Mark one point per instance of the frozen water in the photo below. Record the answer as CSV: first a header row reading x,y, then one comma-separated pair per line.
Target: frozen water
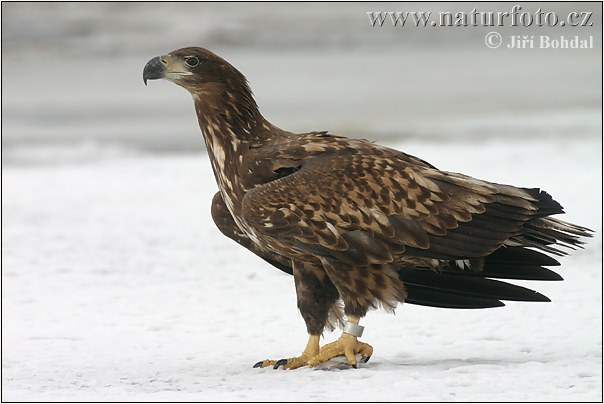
x,y
116,285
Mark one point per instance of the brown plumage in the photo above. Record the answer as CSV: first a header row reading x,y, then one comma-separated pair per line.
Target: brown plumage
x,y
356,222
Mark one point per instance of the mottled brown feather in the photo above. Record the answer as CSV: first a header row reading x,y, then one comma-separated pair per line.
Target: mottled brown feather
x,y
348,218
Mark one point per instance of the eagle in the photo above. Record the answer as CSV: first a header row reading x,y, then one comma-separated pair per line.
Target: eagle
x,y
359,225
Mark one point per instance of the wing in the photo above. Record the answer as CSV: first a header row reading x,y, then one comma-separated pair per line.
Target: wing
x,y
363,204
225,223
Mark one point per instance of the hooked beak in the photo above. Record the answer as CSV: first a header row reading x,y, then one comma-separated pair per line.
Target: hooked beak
x,y
154,69
165,67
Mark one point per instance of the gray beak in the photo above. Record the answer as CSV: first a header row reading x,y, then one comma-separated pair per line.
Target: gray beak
x,y
154,69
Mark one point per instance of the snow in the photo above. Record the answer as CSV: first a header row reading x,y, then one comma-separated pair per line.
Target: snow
x,y
116,286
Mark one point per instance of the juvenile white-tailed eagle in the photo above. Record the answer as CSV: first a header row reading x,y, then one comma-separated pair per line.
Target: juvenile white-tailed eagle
x,y
360,224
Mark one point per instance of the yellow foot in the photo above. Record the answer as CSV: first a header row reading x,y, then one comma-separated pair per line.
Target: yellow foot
x,y
265,363
290,363
347,345
311,350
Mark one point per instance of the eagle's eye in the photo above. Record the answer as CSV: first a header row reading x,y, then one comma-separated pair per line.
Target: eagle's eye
x,y
192,61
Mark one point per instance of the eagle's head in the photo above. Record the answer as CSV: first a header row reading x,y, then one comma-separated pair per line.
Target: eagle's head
x,y
193,68
221,94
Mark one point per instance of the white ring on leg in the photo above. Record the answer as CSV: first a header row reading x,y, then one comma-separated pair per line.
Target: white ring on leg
x,y
353,329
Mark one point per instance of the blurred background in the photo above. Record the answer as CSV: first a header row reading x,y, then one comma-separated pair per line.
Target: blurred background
x,y
72,86
117,286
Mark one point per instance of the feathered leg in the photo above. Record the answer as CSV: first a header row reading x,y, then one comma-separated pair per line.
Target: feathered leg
x,y
360,289
317,296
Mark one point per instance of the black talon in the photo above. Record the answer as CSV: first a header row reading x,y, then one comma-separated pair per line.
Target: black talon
x,y
354,365
367,359
279,363
257,365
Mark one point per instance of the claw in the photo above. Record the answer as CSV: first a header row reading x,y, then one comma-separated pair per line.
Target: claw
x,y
280,362
264,363
312,349
348,346
365,360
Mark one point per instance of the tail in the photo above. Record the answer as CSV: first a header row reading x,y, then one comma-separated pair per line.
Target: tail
x,y
546,233
473,284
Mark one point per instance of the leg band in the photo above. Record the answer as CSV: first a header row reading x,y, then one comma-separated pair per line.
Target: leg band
x,y
353,329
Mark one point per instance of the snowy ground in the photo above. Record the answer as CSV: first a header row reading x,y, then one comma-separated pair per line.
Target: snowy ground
x,y
117,286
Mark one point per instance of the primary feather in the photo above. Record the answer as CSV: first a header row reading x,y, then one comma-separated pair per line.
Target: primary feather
x,y
360,222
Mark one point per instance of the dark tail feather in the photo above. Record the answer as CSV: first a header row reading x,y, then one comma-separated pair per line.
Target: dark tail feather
x,y
546,205
546,233
549,234
471,288
517,263
427,296
468,285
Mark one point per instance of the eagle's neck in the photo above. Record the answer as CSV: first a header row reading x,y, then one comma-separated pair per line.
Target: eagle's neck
x,y
233,110
230,121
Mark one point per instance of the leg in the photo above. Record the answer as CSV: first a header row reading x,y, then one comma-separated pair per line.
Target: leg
x,y
347,345
360,288
316,297
311,350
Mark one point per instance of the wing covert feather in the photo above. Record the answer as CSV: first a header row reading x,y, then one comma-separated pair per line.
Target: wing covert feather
x,y
369,209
